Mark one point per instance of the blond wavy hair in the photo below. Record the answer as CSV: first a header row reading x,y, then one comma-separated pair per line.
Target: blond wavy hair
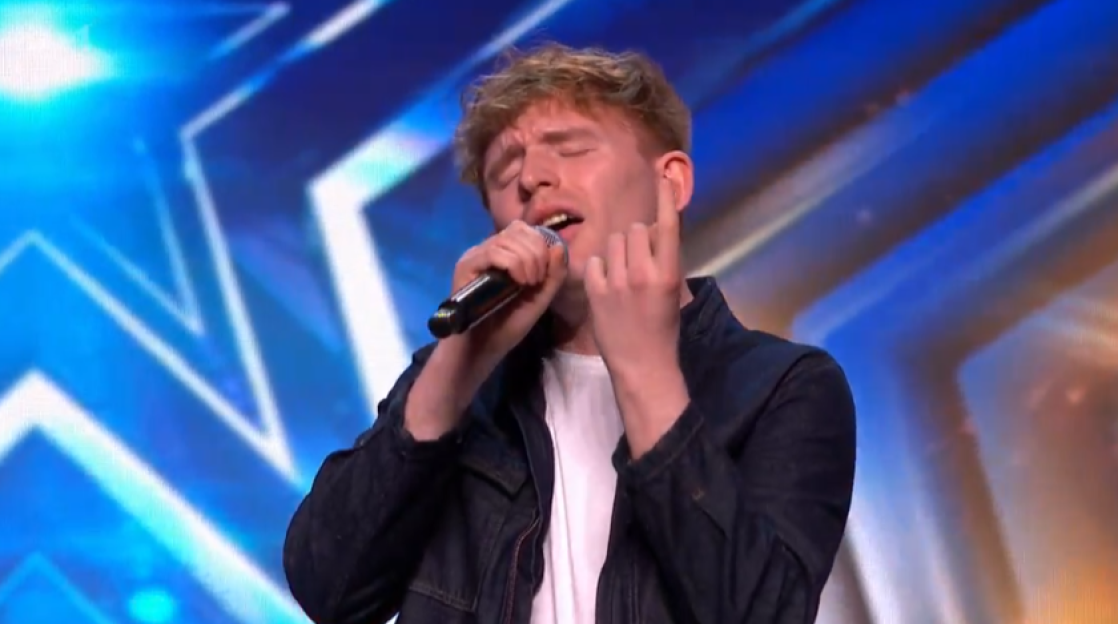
x,y
628,82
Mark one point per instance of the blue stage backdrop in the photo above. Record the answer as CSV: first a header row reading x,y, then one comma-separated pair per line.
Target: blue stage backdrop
x,y
222,225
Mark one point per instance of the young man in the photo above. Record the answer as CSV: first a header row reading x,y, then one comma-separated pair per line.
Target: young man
x,y
612,447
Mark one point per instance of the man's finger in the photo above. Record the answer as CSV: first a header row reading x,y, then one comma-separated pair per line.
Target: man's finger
x,y
616,272
639,259
667,228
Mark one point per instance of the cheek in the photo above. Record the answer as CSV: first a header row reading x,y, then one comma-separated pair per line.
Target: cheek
x,y
626,196
588,243
502,215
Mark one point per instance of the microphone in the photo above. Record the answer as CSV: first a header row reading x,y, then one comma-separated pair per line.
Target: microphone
x,y
487,293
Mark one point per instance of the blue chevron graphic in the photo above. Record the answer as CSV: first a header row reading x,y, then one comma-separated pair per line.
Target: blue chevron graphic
x,y
84,235
97,273
86,230
37,590
391,353
36,405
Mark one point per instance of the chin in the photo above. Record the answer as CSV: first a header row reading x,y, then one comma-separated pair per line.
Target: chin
x,y
573,288
570,304
572,285
576,269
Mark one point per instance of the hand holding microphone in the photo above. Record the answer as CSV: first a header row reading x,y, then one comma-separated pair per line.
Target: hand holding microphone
x,y
501,288
513,276
497,286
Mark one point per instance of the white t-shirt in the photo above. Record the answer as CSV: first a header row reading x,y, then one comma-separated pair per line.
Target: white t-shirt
x,y
585,426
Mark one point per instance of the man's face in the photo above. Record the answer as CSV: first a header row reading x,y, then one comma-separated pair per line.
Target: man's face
x,y
555,160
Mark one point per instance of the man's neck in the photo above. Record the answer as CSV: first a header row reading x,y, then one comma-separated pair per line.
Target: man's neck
x,y
572,329
578,339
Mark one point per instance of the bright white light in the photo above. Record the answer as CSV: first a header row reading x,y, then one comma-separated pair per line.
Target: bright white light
x,y
37,61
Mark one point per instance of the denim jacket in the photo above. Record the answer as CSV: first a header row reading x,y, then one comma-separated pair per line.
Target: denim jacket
x,y
735,515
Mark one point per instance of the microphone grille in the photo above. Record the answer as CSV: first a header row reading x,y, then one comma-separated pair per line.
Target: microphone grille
x,y
552,237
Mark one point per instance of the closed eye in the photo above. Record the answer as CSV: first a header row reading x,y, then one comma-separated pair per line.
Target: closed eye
x,y
504,178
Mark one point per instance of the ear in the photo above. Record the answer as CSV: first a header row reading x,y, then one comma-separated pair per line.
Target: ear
x,y
678,168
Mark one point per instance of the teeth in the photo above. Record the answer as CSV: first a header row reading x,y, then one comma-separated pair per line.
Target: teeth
x,y
555,220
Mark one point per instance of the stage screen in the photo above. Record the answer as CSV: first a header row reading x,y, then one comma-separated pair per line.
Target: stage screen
x,y
223,226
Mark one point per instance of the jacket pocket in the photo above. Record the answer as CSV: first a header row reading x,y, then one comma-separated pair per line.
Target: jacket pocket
x,y
421,608
464,545
485,456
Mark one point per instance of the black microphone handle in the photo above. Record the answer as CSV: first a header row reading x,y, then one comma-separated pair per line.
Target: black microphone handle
x,y
476,301
484,295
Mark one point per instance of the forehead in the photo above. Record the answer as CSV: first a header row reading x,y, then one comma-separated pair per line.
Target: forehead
x,y
552,119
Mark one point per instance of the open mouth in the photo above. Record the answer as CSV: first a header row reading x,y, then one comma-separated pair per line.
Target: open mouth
x,y
557,222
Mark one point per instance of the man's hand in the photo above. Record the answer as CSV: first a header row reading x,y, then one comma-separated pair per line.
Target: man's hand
x,y
460,364
634,296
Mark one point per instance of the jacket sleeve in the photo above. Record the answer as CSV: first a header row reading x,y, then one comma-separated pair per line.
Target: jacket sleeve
x,y
357,537
751,537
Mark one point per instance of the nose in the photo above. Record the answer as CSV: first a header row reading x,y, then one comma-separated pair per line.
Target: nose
x,y
536,173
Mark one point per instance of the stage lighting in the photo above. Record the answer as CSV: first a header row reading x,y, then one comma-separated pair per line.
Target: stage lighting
x,y
38,61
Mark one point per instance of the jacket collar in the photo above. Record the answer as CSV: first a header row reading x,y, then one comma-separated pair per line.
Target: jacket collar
x,y
703,316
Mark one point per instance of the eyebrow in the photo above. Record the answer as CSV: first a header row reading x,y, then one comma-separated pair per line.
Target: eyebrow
x,y
551,137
